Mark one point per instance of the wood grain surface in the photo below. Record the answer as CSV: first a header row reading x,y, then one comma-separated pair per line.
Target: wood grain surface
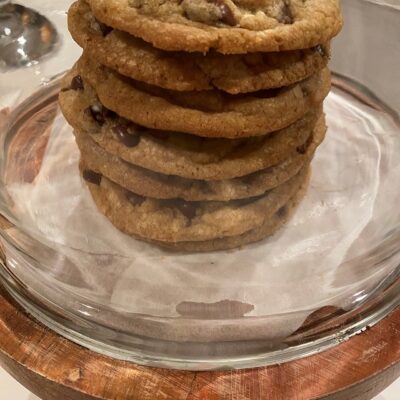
x,y
56,369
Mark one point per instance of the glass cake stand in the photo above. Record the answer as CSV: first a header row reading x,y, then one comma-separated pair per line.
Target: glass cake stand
x,y
329,274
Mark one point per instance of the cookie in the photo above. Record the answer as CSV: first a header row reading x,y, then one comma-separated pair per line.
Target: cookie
x,y
274,223
172,153
239,26
209,113
151,184
176,220
133,57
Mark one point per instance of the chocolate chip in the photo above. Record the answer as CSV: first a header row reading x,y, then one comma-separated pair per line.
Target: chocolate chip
x,y
320,50
227,15
134,198
282,212
302,149
99,113
77,83
91,176
126,134
188,209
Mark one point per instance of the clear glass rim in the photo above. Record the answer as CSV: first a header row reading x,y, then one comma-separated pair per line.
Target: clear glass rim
x,y
353,323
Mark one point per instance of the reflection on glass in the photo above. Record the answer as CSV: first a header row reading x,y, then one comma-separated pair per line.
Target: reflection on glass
x,y
25,35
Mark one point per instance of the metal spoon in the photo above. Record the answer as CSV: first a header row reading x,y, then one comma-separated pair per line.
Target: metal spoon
x,y
25,36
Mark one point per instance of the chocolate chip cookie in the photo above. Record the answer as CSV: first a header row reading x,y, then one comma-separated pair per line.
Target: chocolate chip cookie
x,y
239,26
270,227
152,184
211,113
172,153
177,220
133,57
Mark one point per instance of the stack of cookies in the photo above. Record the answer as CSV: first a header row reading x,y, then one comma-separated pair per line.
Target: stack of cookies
x,y
197,120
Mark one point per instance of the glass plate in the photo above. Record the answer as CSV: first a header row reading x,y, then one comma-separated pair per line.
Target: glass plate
x,y
331,272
